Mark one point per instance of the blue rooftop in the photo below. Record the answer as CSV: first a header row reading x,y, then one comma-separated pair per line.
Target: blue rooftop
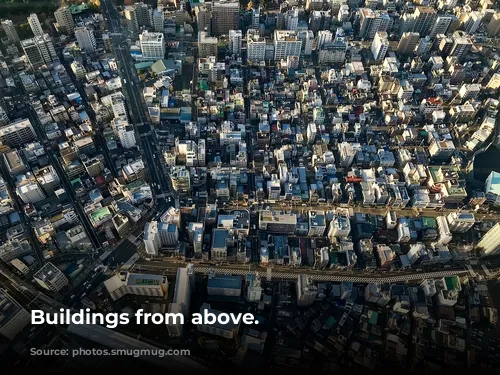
x,y
225,282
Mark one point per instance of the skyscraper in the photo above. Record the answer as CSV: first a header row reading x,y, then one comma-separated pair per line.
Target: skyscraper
x,y
85,38
39,50
10,31
408,43
441,25
286,43
235,37
64,20
225,17
35,25
461,45
380,45
425,18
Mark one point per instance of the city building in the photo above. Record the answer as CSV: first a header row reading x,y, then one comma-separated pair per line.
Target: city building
x,y
224,285
159,20
492,188
306,291
256,46
207,45
10,30
13,317
277,222
380,45
490,242
317,223
460,222
39,51
51,278
228,330
408,43
35,25
462,44
85,38
184,285
286,43
235,41
152,45
138,284
225,17
64,19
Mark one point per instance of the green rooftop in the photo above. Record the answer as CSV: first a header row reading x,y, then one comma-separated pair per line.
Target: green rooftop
x,y
452,283
429,222
99,214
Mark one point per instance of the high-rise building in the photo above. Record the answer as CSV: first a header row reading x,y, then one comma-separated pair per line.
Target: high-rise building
x,y
152,45
441,25
159,19
144,14
460,222
493,27
292,19
462,44
85,38
14,318
306,290
256,46
10,30
324,37
51,278
4,118
425,17
151,238
117,103
286,43
372,21
39,50
126,134
17,133
307,38
182,300
490,243
408,43
225,17
35,25
380,45
131,18
207,45
255,18
204,17
64,20
472,22
169,234
235,37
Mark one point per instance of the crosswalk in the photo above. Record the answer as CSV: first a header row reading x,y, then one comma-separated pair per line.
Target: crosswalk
x,y
339,278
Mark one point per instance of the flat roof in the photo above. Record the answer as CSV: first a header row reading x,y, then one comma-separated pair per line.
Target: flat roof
x,y
225,281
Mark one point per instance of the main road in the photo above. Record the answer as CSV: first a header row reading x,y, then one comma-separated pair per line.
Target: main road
x,y
135,105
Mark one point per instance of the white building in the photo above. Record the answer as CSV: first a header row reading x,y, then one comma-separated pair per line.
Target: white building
x,y
64,20
126,134
340,226
207,45
136,283
39,50
85,38
492,188
317,223
182,299
292,19
490,243
17,133
445,236
13,317
10,30
254,290
51,278
306,291
286,43
380,45
151,238
35,25
460,222
152,45
256,46
428,287
235,41
30,192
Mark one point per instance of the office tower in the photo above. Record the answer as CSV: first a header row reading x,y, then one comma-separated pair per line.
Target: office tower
x,y
235,37
307,38
372,21
35,25
493,27
408,43
17,133
306,291
13,317
51,278
286,43
425,18
292,19
324,37
315,21
424,46
256,46
130,15
225,17
126,135
461,45
169,234
490,243
144,14
207,46
151,238
204,17
255,18
380,45
472,22
441,25
152,45
85,38
10,31
159,20
4,119
181,301
64,20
